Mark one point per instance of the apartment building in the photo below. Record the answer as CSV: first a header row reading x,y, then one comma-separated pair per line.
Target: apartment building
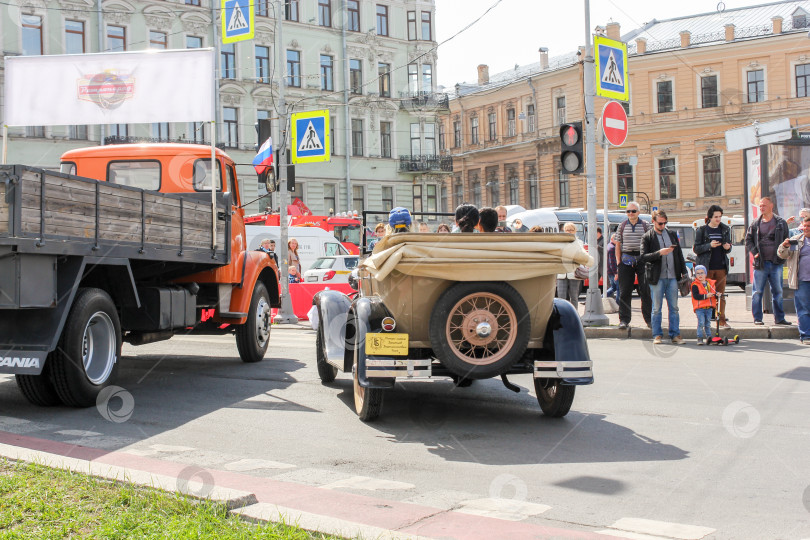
x,y
372,64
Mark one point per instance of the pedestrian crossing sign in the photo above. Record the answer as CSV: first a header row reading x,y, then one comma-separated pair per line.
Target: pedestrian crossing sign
x,y
310,136
237,20
611,69
622,201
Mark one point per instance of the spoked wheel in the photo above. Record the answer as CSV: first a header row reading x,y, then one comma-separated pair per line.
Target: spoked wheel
x,y
326,371
367,401
554,397
253,337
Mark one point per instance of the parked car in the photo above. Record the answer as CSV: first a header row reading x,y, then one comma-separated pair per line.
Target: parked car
x,y
331,269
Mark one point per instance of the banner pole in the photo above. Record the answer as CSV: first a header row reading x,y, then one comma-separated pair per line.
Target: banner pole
x,y
5,142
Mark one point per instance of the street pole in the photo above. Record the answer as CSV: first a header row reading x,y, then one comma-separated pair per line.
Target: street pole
x,y
594,313
605,221
285,315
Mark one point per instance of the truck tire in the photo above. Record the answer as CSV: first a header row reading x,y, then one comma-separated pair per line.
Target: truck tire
x,y
253,337
367,401
326,371
86,358
39,389
479,329
555,398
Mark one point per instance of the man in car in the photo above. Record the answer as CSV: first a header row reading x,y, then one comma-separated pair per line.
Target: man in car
x,y
502,220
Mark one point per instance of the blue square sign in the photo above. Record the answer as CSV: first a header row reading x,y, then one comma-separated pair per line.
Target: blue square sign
x,y
310,134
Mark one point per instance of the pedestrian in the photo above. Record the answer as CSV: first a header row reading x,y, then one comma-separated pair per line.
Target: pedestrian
x,y
612,269
292,255
628,250
518,226
466,218
600,248
488,220
423,227
704,302
712,246
399,221
797,252
443,228
664,266
502,219
803,213
568,286
293,275
762,241
269,246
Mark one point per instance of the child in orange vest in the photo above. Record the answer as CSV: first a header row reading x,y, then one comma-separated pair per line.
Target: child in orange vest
x,y
704,302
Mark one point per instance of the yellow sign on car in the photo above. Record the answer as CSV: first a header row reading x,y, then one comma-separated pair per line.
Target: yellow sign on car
x,y
386,344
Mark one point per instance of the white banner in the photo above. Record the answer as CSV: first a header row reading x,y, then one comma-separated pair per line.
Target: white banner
x,y
110,88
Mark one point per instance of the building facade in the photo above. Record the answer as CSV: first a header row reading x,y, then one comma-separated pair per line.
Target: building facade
x,y
699,77
372,64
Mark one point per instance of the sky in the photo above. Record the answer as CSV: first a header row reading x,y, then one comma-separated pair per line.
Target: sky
x,y
513,31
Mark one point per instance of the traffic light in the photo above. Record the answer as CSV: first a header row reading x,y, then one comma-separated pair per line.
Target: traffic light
x,y
571,153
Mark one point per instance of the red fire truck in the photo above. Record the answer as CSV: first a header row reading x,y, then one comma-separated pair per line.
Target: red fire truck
x,y
348,229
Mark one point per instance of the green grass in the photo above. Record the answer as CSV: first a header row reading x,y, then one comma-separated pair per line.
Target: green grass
x,y
39,502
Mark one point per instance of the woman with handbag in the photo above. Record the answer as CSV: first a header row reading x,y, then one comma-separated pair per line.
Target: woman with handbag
x,y
568,284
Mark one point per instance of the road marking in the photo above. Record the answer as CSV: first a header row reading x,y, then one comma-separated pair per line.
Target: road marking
x,y
662,528
311,476
253,464
445,499
20,426
630,535
170,448
369,484
508,509
104,442
78,433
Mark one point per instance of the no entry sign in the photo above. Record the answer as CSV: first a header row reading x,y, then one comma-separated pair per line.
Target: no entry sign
x,y
614,123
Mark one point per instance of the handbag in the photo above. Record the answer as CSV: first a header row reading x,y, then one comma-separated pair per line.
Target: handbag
x,y
685,285
582,272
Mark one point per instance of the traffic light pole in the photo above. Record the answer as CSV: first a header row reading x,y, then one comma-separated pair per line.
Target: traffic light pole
x,y
594,313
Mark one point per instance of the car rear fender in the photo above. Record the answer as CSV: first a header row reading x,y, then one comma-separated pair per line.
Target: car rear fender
x,y
333,309
568,340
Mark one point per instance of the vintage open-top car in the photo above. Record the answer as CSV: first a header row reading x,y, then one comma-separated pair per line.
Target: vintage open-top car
x,y
464,306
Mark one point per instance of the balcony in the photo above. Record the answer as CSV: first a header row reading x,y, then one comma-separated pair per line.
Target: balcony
x,y
425,164
424,101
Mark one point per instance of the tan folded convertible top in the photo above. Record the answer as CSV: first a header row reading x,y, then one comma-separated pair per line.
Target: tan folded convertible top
x,y
477,257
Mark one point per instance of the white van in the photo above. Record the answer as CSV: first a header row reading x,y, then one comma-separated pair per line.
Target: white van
x,y
540,217
736,258
313,242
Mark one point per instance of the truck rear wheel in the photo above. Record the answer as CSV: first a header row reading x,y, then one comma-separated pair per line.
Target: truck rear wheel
x,y
39,389
554,397
86,359
253,337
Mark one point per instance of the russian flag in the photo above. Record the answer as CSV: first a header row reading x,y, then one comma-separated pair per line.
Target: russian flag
x,y
264,159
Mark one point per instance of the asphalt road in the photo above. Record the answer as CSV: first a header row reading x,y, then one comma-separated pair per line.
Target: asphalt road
x,y
713,439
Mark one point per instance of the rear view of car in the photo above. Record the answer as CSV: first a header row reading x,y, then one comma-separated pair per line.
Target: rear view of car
x,y
331,269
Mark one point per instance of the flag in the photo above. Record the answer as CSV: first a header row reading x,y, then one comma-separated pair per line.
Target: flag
x,y
110,88
264,159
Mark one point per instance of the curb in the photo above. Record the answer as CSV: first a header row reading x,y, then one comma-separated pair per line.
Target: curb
x,y
758,332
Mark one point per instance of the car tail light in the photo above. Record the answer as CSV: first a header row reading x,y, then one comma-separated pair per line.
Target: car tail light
x,y
329,275
732,261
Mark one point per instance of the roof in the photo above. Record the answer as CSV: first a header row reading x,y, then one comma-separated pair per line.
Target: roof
x,y
142,150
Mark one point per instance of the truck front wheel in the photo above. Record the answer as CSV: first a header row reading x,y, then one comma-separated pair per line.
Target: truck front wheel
x,y
253,337
86,358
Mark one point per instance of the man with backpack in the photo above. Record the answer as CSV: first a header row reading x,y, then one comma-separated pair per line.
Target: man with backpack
x,y
628,251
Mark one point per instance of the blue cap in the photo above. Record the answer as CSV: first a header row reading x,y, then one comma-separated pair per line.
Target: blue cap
x,y
701,267
399,217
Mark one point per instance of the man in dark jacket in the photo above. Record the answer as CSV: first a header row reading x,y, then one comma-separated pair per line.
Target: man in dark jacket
x,y
712,245
663,263
763,239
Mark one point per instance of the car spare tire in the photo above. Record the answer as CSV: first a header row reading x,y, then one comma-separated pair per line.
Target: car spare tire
x,y
479,329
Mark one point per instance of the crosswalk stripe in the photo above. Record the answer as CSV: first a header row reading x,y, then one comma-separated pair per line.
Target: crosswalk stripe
x,y
369,484
244,465
507,509
662,528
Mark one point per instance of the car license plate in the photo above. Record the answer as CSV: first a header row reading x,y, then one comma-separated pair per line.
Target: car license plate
x,y
385,344
312,278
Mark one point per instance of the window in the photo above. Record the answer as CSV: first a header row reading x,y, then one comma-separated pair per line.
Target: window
x,y
116,38
330,198
385,139
474,130
756,85
413,78
430,139
382,20
291,10
160,130
416,140
534,187
325,12
802,80
427,78
157,40
531,117
359,199
476,191
294,68
456,134
228,61
708,91
514,189
444,200
77,132
357,137
666,179
196,132
202,175
118,130
192,2
799,21
664,96
427,34
387,198
262,64
74,37
712,177
327,77
417,198
412,26
231,135
384,73
624,177
194,42
442,145
494,191
262,8
430,197
356,76
353,15
493,131
458,192
139,174
560,102
31,34
510,123
563,190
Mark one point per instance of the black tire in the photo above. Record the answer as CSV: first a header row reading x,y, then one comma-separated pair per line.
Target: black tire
x,y
367,401
460,382
555,398
253,337
326,371
452,322
39,389
87,357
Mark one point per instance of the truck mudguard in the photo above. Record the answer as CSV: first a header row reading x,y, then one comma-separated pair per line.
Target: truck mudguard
x,y
257,266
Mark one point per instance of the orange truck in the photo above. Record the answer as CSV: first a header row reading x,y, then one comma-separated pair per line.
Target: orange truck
x,y
123,244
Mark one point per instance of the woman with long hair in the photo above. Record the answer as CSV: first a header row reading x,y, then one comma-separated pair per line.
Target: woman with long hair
x,y
467,218
292,257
